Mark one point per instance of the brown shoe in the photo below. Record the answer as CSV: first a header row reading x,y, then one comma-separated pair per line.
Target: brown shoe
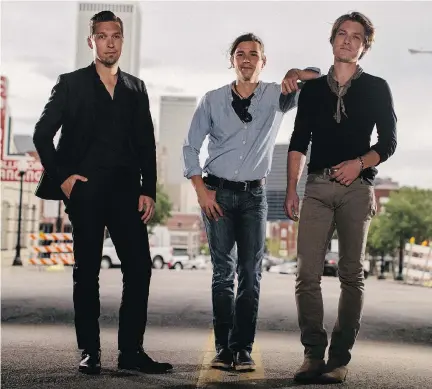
x,y
310,370
334,373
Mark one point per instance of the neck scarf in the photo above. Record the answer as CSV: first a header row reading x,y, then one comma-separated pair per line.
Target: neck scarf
x,y
341,91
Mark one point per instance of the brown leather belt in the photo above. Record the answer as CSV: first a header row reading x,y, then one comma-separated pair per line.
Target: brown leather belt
x,y
325,172
239,186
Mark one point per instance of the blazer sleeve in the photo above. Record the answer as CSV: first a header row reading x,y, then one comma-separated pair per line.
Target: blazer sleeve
x,y
147,149
47,126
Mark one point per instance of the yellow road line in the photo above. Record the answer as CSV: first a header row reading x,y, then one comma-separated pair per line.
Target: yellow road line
x,y
207,374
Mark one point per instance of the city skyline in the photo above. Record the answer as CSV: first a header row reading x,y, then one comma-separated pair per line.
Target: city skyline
x,y
178,61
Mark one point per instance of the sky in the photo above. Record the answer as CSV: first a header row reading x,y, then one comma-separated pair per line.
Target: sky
x,y
184,51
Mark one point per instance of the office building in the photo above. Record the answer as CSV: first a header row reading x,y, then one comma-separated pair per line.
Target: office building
x,y
176,114
277,183
129,13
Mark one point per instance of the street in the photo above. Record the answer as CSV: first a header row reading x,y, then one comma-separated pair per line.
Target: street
x,y
393,350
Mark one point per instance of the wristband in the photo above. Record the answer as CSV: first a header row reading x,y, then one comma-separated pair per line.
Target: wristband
x,y
361,163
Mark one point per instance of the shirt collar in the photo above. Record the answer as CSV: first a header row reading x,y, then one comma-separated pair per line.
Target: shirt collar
x,y
256,93
96,75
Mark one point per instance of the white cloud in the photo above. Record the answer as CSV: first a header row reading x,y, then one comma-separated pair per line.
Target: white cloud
x,y
184,46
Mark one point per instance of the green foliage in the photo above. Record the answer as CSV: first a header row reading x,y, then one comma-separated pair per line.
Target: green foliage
x,y
162,208
204,249
407,214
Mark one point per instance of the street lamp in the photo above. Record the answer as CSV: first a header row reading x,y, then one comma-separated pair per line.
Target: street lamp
x,y
414,51
22,168
59,220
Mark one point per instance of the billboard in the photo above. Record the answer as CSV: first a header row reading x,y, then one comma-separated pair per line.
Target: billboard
x,y
10,162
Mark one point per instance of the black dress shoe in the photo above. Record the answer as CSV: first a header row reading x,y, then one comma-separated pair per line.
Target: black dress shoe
x,y
90,362
243,361
223,359
139,360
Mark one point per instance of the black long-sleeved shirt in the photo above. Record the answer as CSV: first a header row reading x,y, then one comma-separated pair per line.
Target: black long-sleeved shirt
x,y
111,145
368,102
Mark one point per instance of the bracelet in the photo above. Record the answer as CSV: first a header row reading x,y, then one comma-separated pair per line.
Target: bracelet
x,y
361,163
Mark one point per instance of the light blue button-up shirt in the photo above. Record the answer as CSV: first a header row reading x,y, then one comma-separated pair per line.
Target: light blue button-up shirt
x,y
237,151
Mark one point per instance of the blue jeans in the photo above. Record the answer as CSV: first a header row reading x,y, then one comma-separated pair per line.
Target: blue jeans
x,y
243,223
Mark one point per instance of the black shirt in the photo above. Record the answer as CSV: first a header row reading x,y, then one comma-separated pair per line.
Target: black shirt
x,y
368,102
110,147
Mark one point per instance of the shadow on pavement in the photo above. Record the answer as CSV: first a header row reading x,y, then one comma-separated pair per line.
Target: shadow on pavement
x,y
48,310
172,379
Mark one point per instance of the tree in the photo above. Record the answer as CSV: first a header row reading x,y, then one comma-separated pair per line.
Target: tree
x,y
380,240
407,214
162,208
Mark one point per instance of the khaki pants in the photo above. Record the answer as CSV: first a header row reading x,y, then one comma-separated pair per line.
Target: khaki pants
x,y
328,205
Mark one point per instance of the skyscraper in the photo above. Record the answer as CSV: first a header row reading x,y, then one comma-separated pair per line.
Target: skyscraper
x,y
277,183
129,13
176,114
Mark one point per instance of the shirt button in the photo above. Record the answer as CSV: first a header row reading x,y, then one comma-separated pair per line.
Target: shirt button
x,y
245,127
244,142
236,172
241,156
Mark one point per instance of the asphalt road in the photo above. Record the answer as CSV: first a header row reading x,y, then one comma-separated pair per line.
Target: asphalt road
x,y
394,347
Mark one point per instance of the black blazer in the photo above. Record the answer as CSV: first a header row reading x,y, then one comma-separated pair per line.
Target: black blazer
x,y
71,107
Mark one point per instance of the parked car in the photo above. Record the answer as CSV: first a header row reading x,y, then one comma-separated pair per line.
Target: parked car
x,y
331,261
180,262
160,256
269,261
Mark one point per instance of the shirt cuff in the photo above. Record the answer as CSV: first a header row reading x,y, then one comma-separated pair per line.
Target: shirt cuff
x,y
313,69
196,171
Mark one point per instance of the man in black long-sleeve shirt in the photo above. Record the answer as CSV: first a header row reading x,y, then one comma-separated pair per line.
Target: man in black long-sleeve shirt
x,y
104,169
337,113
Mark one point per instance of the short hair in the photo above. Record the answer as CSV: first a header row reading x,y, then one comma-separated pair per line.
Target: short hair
x,y
104,16
359,18
249,37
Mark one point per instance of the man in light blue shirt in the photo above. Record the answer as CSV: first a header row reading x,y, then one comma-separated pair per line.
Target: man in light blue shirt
x,y
242,120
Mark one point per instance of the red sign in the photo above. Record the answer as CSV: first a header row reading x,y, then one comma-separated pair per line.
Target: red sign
x,y
9,163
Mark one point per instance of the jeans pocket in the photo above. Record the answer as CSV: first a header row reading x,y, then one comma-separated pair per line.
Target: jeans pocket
x,y
259,191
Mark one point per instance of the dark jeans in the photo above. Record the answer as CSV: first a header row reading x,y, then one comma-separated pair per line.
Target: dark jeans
x,y
328,205
109,198
244,221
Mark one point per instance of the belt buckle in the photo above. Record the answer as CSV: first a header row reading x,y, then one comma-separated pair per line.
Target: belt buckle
x,y
245,183
328,171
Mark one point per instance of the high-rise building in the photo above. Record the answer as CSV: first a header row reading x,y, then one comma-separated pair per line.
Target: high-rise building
x,y
277,183
129,13
176,114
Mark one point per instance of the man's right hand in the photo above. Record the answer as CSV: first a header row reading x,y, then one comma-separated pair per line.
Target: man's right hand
x,y
291,205
69,183
207,202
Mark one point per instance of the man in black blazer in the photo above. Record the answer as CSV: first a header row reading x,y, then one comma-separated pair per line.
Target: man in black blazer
x,y
104,169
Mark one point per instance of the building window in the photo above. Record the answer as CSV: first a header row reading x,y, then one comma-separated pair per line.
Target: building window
x,y
5,217
284,233
283,245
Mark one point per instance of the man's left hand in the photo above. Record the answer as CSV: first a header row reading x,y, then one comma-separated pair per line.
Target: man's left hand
x,y
147,205
290,82
347,171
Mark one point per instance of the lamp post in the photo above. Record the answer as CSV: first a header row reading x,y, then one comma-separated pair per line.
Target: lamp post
x,y
59,218
400,277
22,167
414,51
